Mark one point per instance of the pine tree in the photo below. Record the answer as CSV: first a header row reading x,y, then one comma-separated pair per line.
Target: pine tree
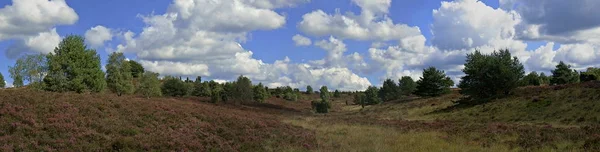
x,y
389,91
407,85
150,85
337,94
433,83
242,90
118,74
73,67
564,75
324,93
492,75
371,96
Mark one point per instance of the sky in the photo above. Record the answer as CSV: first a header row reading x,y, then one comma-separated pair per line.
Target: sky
x,y
343,44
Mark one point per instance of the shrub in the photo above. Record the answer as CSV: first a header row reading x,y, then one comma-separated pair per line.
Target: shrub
x,y
260,94
371,96
290,96
321,106
337,94
2,83
532,79
242,90
309,89
360,99
324,93
433,83
492,75
73,67
563,75
592,74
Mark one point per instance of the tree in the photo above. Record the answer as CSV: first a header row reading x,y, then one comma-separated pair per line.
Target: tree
x,y
592,74
407,85
216,94
150,85
16,73
371,96
201,89
309,89
564,75
531,79
492,75
2,83
73,67
29,67
118,74
360,98
136,69
389,91
173,87
242,90
260,94
324,93
544,80
337,94
433,83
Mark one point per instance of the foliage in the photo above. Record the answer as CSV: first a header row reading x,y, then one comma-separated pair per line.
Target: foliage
x,y
2,83
216,94
371,96
321,106
489,76
29,67
150,85
260,94
324,93
73,67
337,94
16,73
136,69
360,98
309,89
531,79
242,91
407,85
544,80
592,74
389,91
433,83
290,96
201,89
118,74
564,75
173,87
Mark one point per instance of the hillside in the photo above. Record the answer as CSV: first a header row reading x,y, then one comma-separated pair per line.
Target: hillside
x,y
43,121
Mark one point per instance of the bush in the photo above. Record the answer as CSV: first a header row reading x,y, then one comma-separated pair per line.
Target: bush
x,y
489,76
260,94
2,83
433,83
337,94
389,91
563,75
360,99
242,90
592,74
532,79
371,96
309,90
321,106
290,96
174,87
324,93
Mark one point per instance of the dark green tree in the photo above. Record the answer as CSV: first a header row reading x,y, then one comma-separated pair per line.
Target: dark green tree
x,y
260,94
389,91
433,83
564,75
118,74
2,81
173,87
592,74
544,80
216,94
309,89
136,69
73,67
531,79
491,76
371,96
407,85
360,99
243,91
150,85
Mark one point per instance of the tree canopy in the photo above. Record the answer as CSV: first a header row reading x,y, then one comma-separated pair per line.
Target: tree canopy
x,y
118,74
150,85
563,74
407,85
136,69
2,83
389,90
490,75
433,83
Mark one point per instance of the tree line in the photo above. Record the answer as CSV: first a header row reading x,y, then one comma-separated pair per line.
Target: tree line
x,y
487,77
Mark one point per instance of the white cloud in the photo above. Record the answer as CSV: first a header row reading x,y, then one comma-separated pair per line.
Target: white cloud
x,y
300,40
371,24
25,18
44,42
96,36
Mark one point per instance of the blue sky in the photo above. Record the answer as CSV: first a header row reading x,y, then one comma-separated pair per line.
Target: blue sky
x,y
509,27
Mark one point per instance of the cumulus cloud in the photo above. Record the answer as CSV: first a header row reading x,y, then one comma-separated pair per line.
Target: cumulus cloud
x,y
300,40
44,42
369,25
202,37
96,36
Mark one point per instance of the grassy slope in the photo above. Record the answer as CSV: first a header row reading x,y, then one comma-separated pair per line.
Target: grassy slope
x,y
34,120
